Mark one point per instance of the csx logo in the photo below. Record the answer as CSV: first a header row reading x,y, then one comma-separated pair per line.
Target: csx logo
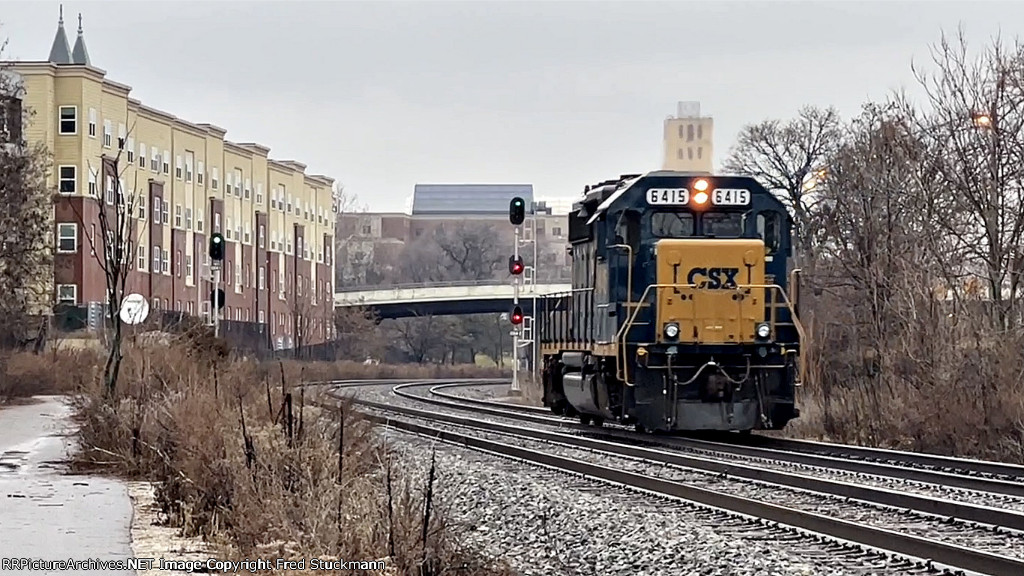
x,y
713,278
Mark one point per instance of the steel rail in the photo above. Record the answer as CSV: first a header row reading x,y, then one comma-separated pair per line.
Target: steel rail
x,y
815,454
931,551
882,496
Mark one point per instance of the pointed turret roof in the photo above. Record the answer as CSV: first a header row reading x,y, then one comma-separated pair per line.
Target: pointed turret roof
x,y
80,55
59,52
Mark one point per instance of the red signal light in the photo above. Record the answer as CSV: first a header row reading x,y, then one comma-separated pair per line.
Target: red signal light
x,y
517,316
515,265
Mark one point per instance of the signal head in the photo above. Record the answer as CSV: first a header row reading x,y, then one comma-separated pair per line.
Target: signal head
x,y
517,315
517,211
515,265
216,246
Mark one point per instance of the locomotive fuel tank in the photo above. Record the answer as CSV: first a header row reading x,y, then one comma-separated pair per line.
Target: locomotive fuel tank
x,y
716,310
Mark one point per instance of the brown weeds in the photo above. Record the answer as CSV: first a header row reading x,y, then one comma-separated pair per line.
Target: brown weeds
x,y
249,461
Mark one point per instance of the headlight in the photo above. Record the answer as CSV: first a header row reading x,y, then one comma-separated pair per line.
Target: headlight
x,y
671,330
764,330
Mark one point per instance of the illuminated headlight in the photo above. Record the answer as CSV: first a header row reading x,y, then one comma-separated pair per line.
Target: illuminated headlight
x,y
764,330
671,330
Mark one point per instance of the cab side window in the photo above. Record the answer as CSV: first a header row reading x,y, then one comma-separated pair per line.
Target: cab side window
x,y
768,228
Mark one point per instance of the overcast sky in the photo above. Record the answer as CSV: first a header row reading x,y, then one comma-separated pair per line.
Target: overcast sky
x,y
384,95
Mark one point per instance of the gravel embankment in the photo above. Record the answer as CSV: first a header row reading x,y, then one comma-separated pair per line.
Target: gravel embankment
x,y
546,523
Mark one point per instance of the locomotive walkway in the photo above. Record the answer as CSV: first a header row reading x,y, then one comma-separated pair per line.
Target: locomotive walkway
x,y
443,298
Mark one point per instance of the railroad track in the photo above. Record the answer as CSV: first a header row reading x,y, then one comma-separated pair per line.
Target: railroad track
x,y
975,475
970,556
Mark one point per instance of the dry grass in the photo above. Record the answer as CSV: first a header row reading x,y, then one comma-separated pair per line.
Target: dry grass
x,y
928,382
24,374
252,466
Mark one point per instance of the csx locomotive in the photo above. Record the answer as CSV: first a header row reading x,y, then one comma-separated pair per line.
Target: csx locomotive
x,y
682,314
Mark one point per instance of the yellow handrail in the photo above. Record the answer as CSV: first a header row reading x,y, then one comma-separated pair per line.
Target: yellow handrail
x,y
620,337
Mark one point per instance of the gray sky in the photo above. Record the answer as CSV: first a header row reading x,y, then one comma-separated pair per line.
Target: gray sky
x,y
383,95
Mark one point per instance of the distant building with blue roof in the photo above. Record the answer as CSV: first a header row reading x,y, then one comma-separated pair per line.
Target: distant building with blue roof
x,y
477,199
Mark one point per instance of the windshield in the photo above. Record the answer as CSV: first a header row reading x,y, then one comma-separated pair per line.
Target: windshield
x,y
723,224
672,224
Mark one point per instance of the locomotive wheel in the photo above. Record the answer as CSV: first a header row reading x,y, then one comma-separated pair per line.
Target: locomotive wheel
x,y
598,422
640,428
584,419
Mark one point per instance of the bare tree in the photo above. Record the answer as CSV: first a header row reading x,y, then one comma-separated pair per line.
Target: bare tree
x,y
115,249
419,337
357,334
25,206
788,158
974,132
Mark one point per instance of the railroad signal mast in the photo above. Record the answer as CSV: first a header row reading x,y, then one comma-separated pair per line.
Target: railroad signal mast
x,y
523,326
216,264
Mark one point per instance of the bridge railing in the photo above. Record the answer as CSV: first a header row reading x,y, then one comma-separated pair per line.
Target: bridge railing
x,y
452,284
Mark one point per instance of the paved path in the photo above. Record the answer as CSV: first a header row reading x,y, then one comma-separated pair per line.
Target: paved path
x,y
45,514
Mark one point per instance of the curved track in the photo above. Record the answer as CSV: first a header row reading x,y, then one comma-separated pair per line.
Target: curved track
x,y
621,444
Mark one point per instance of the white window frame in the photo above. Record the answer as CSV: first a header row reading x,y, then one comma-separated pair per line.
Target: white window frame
x,y
122,136
165,160
188,218
74,294
188,268
157,202
61,120
179,167
140,202
130,149
273,198
177,216
156,259
142,155
108,133
247,193
200,174
214,177
199,219
248,234
143,257
227,227
165,212
188,169
154,159
165,262
62,229
259,192
92,123
73,179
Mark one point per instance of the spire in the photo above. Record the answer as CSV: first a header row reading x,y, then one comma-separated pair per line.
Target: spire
x,y
80,55
59,52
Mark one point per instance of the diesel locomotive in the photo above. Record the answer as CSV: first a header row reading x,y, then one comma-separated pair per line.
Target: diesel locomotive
x,y
683,309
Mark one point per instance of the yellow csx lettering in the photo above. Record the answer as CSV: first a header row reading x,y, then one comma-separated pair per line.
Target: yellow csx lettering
x,y
716,278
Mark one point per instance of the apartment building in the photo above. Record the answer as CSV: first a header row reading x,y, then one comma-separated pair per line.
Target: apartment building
x,y
689,140
182,182
370,244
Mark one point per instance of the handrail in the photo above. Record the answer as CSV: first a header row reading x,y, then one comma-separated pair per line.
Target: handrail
x,y
620,336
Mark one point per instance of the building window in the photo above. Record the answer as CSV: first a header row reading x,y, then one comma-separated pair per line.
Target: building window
x,y
262,278
142,155
165,208
157,201
248,234
188,267
177,263
177,215
689,153
179,167
216,222
68,120
156,304
259,192
154,162
238,183
68,179
199,220
700,131
214,177
367,230
122,133
143,256
188,169
130,147
227,230
190,308
141,201
166,161
165,262
700,152
156,259
67,293
67,237
107,133
200,173
92,122
289,204
262,318
188,218
248,193
689,132
273,199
